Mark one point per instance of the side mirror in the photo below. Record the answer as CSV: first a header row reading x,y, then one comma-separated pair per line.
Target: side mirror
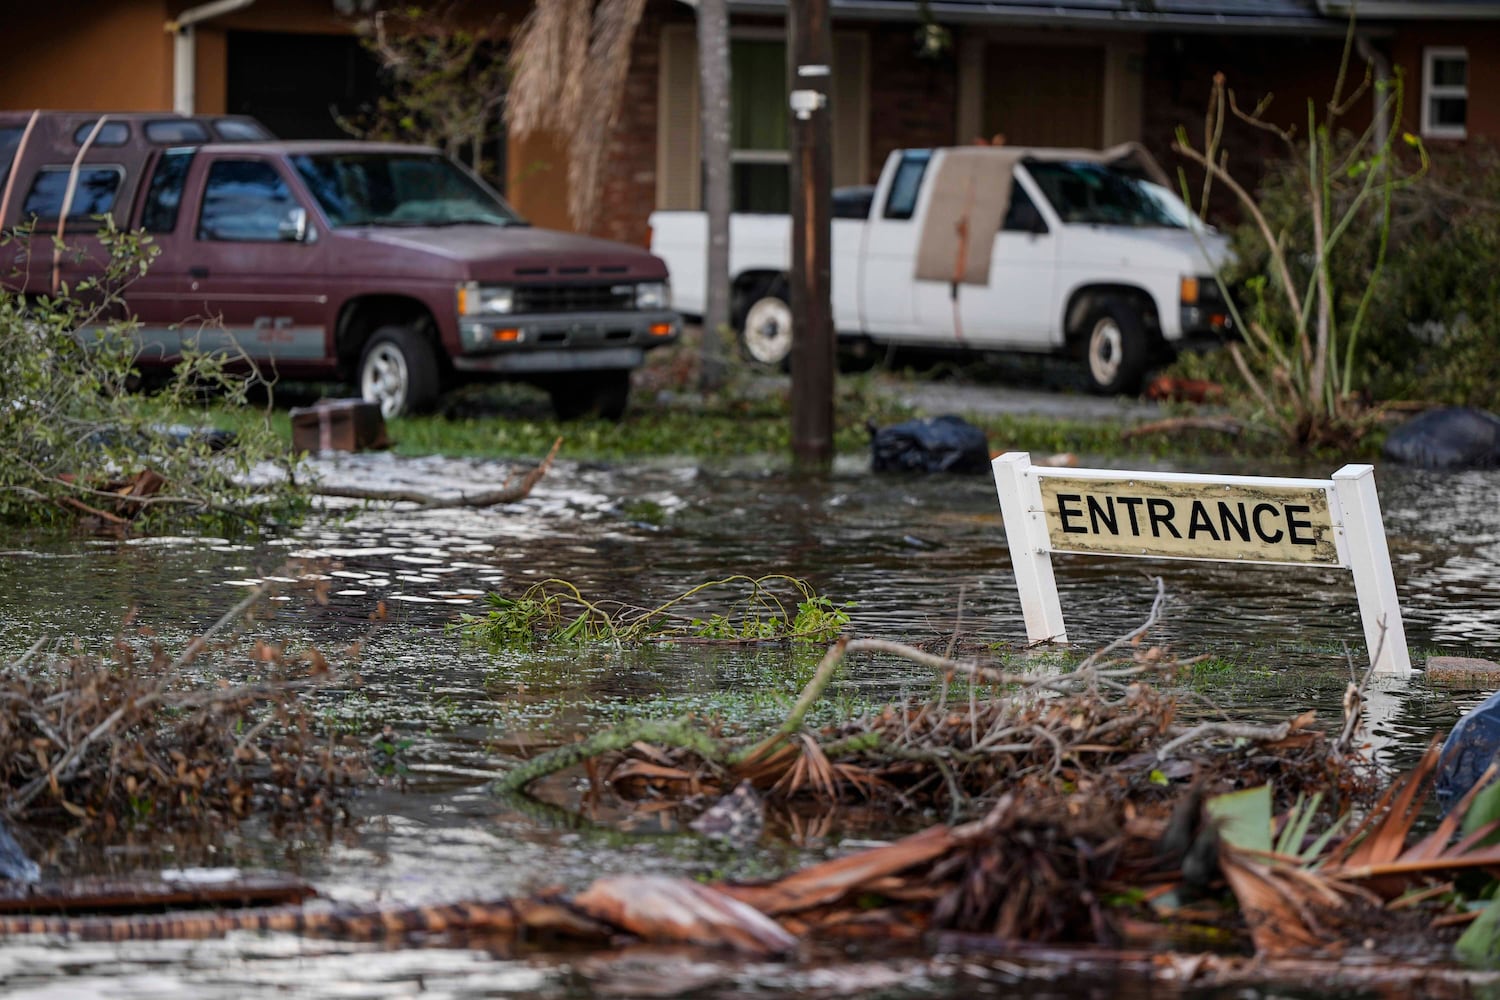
x,y
293,226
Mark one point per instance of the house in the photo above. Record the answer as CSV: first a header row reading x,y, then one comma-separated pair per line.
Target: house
x,y
1039,72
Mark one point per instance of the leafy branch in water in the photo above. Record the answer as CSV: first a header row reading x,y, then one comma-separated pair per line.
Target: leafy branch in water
x,y
75,439
557,611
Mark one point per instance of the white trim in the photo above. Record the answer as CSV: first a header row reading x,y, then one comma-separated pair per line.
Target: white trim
x,y
1021,506
764,156
1430,91
1354,511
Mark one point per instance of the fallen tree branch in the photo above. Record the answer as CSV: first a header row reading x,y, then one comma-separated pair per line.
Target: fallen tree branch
x,y
507,493
674,734
1222,425
1231,730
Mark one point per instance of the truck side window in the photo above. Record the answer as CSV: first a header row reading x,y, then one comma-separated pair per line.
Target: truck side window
x,y
110,134
243,200
1022,216
902,200
173,130
10,139
94,194
164,197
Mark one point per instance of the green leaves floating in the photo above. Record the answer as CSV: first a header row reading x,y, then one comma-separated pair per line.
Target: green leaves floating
x,y
774,608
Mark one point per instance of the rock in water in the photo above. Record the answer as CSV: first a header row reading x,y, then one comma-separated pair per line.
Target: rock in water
x,y
738,817
1455,437
935,444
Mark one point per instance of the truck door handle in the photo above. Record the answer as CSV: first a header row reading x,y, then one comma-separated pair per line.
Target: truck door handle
x,y
197,272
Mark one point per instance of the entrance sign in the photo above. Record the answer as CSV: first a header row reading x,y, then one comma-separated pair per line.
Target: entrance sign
x,y
1163,515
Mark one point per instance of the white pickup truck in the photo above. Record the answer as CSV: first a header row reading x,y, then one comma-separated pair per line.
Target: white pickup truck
x,y
1075,252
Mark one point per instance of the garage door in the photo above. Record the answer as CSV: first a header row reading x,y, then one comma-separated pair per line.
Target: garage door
x,y
1045,95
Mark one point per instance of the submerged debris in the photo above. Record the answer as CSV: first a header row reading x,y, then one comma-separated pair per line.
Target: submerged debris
x,y
104,744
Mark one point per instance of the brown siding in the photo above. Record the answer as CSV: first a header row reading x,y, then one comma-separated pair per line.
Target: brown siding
x,y
94,55
913,102
537,180
1483,42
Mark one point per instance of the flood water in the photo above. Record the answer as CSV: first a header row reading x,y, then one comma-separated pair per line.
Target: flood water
x,y
924,558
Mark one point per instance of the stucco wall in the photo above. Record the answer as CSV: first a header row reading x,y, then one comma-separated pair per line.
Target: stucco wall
x,y
100,55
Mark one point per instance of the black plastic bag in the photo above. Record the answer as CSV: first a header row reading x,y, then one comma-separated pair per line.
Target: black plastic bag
x,y
1455,437
932,444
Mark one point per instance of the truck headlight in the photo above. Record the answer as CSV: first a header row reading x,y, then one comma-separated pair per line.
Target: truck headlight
x,y
475,299
653,295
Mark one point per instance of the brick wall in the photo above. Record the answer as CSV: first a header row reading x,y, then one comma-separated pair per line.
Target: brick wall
x,y
628,190
1179,76
913,102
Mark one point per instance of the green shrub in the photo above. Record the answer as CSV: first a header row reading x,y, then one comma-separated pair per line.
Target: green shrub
x,y
71,431
1432,326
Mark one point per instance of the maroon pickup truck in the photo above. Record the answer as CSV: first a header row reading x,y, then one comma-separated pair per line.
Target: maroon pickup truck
x,y
387,266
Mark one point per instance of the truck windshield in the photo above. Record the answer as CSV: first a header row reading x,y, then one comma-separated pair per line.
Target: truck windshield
x,y
1093,194
398,189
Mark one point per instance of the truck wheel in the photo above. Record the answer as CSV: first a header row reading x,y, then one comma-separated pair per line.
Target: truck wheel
x,y
588,394
766,329
399,372
1117,350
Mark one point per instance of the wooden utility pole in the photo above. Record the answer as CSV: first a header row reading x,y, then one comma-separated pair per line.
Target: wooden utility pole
x,y
810,66
713,75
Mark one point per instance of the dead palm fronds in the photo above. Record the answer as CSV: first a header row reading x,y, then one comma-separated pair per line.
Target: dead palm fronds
x,y
1294,904
570,62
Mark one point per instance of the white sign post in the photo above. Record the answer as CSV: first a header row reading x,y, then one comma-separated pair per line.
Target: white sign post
x,y
1155,515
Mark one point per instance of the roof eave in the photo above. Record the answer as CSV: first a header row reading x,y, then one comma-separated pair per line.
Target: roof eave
x,y
1398,10
978,14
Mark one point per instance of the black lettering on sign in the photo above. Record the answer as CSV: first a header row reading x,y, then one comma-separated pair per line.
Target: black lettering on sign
x,y
1227,520
1292,510
1200,522
1260,529
1063,513
1161,513
1130,504
1105,514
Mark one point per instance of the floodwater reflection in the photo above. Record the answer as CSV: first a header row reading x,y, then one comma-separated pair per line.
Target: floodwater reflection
x,y
925,558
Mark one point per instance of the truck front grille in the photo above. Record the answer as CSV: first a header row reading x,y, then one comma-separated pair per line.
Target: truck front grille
x,y
574,298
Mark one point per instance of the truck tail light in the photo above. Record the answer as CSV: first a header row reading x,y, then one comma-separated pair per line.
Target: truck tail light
x,y
661,329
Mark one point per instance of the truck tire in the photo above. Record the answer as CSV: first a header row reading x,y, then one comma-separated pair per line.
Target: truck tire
x,y
398,371
602,394
1116,349
766,326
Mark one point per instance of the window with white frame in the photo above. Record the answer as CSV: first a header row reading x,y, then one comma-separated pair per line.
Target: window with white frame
x,y
1445,92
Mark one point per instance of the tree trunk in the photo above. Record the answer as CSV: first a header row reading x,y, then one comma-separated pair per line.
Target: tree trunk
x,y
713,70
